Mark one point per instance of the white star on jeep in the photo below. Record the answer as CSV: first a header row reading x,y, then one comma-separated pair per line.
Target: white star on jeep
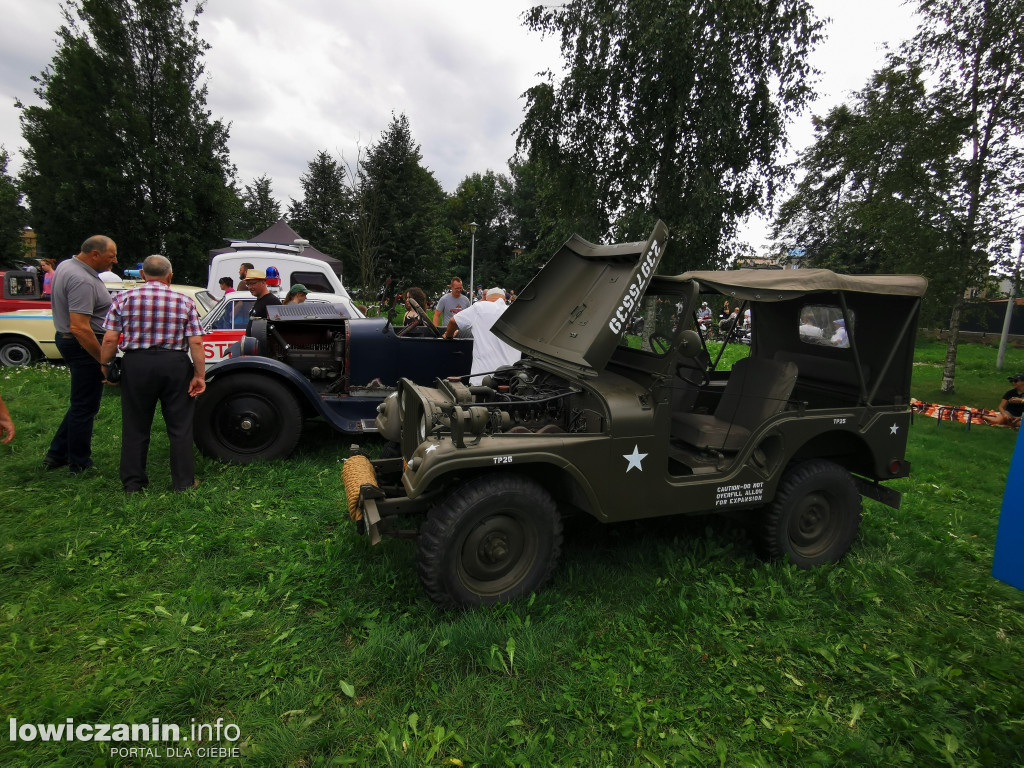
x,y
635,458
431,447
893,429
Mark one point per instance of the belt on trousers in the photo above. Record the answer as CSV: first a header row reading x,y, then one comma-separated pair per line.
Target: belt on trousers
x,y
62,335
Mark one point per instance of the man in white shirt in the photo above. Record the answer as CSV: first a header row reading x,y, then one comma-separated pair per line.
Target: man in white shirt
x,y
489,352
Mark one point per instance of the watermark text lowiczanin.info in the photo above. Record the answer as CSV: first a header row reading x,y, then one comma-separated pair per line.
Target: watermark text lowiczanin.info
x,y
153,732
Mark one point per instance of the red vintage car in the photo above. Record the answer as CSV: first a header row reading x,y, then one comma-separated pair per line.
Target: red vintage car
x,y
21,290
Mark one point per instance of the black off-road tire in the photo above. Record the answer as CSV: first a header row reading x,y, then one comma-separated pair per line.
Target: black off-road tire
x,y
16,352
495,539
247,417
815,515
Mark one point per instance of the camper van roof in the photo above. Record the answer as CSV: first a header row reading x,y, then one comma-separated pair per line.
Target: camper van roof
x,y
280,238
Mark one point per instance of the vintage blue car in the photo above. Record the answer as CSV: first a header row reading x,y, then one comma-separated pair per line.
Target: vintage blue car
x,y
311,360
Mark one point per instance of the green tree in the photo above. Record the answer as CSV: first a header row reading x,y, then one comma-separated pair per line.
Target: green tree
x,y
412,233
873,195
13,215
669,109
259,210
923,172
363,229
321,216
542,215
123,143
481,198
974,49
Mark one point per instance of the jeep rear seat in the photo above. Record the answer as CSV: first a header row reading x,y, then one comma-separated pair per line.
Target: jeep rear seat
x,y
823,381
757,390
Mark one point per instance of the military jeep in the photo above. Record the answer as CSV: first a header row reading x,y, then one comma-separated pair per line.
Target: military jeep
x,y
623,420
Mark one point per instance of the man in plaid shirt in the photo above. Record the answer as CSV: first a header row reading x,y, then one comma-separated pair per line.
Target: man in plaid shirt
x,y
157,327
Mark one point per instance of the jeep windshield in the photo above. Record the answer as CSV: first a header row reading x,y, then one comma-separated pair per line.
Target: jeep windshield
x,y
652,328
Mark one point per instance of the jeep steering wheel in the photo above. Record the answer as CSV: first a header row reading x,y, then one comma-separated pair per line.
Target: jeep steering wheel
x,y
701,380
662,342
425,318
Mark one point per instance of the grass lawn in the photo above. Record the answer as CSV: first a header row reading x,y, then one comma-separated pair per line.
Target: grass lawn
x,y
658,643
978,383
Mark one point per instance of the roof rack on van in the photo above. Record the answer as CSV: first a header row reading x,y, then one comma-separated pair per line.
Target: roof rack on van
x,y
279,247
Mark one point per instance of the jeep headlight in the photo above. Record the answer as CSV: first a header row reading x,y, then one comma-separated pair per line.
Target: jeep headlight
x,y
424,427
388,424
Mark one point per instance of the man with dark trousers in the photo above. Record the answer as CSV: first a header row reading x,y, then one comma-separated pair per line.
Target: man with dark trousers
x,y
80,300
157,328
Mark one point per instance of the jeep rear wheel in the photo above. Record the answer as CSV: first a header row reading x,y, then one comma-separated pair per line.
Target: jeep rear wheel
x,y
814,517
494,540
244,417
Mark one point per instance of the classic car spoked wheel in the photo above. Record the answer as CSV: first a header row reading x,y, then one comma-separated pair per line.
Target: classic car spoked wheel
x,y
244,417
17,352
815,515
496,539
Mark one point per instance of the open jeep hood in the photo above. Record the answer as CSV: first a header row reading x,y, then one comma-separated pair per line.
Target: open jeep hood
x,y
574,310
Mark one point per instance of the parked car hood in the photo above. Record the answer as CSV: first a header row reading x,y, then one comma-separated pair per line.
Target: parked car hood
x,y
573,312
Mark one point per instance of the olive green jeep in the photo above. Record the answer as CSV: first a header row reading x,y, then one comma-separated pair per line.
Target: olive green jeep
x,y
619,410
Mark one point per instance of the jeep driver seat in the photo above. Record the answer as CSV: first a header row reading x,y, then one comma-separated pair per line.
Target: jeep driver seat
x,y
757,390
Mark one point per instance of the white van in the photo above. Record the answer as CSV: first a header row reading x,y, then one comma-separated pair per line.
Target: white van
x,y
280,249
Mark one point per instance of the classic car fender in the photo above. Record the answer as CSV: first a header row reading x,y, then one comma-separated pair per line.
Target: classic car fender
x,y
47,348
33,328
344,413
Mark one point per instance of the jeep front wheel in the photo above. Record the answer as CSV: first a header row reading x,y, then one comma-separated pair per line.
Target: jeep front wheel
x,y
814,517
245,417
493,540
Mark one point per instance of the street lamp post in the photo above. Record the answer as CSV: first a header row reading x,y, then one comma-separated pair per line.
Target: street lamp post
x,y
472,259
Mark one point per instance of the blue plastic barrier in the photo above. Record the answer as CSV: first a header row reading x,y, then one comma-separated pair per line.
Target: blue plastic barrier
x,y
1008,563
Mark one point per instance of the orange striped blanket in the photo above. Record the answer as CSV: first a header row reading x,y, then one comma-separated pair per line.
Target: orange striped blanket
x,y
951,412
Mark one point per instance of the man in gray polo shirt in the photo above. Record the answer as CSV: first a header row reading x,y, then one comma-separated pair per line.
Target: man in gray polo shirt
x,y
451,304
80,301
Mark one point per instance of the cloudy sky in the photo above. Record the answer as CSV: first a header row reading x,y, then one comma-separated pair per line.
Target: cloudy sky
x,y
308,75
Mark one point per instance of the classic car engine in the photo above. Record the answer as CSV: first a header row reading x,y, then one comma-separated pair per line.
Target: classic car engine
x,y
315,350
